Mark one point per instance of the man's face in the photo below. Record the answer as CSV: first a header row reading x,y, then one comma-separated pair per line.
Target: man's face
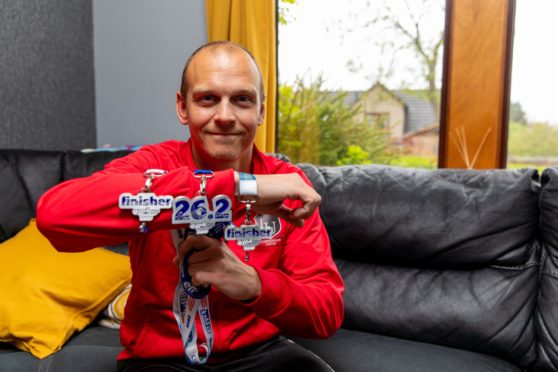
x,y
222,106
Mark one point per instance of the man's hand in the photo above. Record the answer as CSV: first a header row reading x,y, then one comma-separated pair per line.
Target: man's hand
x,y
213,263
274,188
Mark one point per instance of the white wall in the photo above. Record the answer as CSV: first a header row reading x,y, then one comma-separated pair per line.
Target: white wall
x,y
140,48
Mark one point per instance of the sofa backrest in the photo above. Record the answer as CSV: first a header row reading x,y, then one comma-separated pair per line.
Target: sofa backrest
x,y
78,164
38,170
547,310
27,174
446,256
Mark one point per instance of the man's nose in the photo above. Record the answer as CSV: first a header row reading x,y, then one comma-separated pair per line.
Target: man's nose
x,y
224,115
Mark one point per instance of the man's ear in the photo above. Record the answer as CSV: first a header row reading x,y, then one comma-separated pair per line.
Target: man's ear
x,y
181,111
262,114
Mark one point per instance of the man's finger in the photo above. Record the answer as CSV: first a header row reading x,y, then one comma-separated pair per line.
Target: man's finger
x,y
198,242
192,242
202,278
286,213
306,210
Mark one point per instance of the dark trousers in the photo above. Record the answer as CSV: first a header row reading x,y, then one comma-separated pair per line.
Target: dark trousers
x,y
276,355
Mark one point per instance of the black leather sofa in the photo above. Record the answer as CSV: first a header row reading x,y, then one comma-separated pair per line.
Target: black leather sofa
x,y
446,270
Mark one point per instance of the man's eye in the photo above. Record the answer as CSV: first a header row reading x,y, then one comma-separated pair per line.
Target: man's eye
x,y
207,98
244,99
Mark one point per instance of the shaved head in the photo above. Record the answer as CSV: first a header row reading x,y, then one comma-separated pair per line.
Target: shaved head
x,y
221,47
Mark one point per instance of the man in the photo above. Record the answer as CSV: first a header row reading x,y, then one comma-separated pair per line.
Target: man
x,y
289,284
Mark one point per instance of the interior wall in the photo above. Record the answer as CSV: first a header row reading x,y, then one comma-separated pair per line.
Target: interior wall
x,y
47,91
140,49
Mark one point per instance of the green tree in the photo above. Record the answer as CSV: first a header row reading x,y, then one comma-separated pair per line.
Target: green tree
x,y
354,155
517,115
533,140
284,14
395,31
318,127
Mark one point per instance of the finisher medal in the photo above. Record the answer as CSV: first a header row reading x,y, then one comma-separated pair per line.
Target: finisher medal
x,y
248,235
146,205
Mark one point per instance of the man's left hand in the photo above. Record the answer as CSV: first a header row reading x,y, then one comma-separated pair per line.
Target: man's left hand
x,y
213,263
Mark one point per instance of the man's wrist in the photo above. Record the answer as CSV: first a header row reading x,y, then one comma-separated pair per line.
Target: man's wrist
x,y
236,180
256,289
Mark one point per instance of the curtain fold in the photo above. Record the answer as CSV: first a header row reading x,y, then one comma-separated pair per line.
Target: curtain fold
x,y
251,23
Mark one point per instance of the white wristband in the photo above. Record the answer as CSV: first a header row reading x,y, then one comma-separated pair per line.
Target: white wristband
x,y
247,185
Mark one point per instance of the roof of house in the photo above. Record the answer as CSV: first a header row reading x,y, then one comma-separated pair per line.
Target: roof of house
x,y
418,112
353,96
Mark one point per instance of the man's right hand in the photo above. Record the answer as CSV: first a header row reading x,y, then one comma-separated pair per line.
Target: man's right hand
x,y
273,189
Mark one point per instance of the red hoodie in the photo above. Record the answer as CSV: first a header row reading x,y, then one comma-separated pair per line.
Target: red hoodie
x,y
301,288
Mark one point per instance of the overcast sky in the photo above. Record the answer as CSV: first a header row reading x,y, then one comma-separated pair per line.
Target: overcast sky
x,y
312,43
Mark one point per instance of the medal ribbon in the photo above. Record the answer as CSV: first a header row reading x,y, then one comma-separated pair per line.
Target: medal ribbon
x,y
190,300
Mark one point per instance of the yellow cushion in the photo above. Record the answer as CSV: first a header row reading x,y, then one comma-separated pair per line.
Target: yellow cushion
x,y
45,295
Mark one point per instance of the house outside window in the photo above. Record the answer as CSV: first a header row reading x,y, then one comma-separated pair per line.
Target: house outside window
x,y
346,97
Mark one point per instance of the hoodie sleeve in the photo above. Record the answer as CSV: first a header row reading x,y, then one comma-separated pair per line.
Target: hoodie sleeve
x,y
304,297
83,213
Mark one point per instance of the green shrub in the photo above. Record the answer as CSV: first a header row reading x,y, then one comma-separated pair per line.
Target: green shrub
x,y
411,161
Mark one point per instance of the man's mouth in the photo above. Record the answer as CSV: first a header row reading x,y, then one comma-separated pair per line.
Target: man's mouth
x,y
224,134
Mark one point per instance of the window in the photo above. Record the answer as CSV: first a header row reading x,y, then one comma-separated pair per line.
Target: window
x,y
378,119
360,81
533,117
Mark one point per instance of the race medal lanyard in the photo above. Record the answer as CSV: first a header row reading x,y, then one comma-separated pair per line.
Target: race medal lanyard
x,y
249,234
188,298
145,204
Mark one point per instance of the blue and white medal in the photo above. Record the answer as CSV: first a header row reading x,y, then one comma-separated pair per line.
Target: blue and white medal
x,y
196,211
145,204
248,235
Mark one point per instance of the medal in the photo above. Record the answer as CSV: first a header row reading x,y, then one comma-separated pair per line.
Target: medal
x,y
145,204
196,211
248,235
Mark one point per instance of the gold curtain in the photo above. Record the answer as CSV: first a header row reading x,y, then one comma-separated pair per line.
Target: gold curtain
x,y
250,23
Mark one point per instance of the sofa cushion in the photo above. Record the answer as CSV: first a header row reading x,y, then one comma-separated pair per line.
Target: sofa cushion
x,y
449,257
16,210
485,310
547,314
48,295
82,358
94,343
96,335
356,351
